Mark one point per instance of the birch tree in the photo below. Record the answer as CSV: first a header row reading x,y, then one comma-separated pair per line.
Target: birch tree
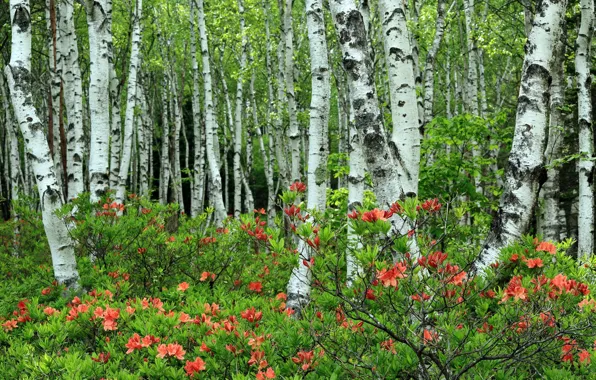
x,y
198,185
293,130
405,138
131,103
73,99
585,241
98,20
238,120
299,284
210,123
526,160
18,74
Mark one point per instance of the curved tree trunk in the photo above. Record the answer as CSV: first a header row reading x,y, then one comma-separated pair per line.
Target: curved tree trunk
x,y
526,160
18,73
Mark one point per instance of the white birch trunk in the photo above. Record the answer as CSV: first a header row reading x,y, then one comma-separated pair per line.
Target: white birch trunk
x,y
526,160
73,99
18,73
115,128
429,77
271,198
176,112
293,130
585,234
198,188
210,123
238,121
405,139
298,289
164,170
548,223
131,103
144,143
54,100
98,19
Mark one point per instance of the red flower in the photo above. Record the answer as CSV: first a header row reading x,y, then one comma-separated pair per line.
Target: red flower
x,y
10,325
431,205
46,291
354,215
584,357
429,336
546,247
251,315
433,260
268,374
376,214
534,263
193,367
102,358
388,345
134,343
515,290
298,187
172,349
255,286
389,277
305,358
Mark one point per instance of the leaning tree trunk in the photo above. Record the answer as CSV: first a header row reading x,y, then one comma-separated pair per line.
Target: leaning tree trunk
x,y
210,124
585,234
98,14
299,284
405,138
526,160
18,73
131,103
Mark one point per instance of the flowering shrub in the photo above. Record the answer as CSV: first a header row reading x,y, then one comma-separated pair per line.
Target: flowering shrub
x,y
196,300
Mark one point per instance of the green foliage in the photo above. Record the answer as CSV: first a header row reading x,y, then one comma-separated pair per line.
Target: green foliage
x,y
166,291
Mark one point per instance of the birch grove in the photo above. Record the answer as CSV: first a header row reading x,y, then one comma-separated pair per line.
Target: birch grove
x,y
221,107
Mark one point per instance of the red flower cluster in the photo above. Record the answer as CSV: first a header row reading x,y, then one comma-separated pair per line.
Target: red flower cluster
x,y
430,205
172,349
305,359
433,260
389,276
258,231
109,317
298,187
206,275
251,315
546,247
376,214
102,357
195,366
136,343
515,290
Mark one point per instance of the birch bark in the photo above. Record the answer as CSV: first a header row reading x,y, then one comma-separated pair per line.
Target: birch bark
x,y
298,289
405,138
585,233
293,130
73,99
526,160
18,73
238,121
198,189
131,103
210,129
98,20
